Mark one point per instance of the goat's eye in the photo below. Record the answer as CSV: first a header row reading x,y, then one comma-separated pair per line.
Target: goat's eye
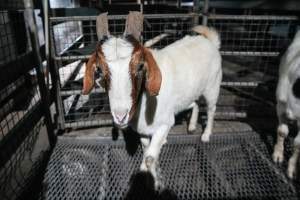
x,y
296,88
98,70
140,67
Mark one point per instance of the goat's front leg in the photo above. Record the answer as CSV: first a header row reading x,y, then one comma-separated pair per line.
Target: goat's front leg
x,y
145,145
151,153
194,118
294,159
282,133
209,126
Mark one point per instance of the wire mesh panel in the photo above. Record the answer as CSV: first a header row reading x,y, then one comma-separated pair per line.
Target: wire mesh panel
x,y
27,163
251,47
75,38
230,166
248,35
12,22
13,110
23,149
12,4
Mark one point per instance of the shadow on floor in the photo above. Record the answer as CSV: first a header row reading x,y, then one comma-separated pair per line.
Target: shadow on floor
x,y
142,187
131,138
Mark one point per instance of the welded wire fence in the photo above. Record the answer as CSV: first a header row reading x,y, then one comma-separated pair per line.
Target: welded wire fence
x,y
251,46
251,49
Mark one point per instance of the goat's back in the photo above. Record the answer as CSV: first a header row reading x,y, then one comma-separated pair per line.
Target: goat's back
x,y
189,67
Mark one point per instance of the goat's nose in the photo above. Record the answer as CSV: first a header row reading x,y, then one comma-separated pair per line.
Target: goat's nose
x,y
121,116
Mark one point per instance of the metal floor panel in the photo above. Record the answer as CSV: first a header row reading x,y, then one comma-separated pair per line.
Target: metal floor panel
x,y
230,166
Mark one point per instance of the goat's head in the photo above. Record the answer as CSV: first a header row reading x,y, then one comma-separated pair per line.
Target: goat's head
x,y
127,68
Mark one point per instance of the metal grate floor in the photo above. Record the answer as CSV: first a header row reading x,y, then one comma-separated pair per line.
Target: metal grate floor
x,y
230,166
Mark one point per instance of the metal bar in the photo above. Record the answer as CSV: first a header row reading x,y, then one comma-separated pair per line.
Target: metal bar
x,y
100,122
30,19
249,53
178,4
141,2
46,31
224,53
76,92
205,12
196,6
240,84
66,58
77,42
231,114
54,66
72,108
109,122
112,17
253,17
225,83
73,74
79,11
59,102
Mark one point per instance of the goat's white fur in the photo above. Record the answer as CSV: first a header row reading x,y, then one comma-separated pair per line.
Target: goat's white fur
x,y
288,106
190,68
117,55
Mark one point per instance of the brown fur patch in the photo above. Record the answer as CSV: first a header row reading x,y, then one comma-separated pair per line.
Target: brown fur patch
x,y
141,55
88,79
136,59
97,59
104,67
154,78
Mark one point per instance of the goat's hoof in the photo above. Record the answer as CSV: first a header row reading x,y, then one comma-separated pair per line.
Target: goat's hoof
x,y
149,161
205,137
291,172
192,129
158,185
143,167
277,157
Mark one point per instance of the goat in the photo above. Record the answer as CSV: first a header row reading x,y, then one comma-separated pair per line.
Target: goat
x,y
148,87
288,103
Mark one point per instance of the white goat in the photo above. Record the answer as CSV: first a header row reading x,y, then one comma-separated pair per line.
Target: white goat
x,y
288,102
173,77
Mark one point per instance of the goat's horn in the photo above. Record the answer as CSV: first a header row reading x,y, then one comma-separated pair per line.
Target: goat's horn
x,y
102,26
134,24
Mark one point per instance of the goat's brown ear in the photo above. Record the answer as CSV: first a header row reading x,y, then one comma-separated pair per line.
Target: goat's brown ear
x,y
88,79
153,75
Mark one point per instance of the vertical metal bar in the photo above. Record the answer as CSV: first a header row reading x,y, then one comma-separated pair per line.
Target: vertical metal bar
x,y
196,11
57,86
178,3
46,31
31,23
196,6
205,12
141,6
54,66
